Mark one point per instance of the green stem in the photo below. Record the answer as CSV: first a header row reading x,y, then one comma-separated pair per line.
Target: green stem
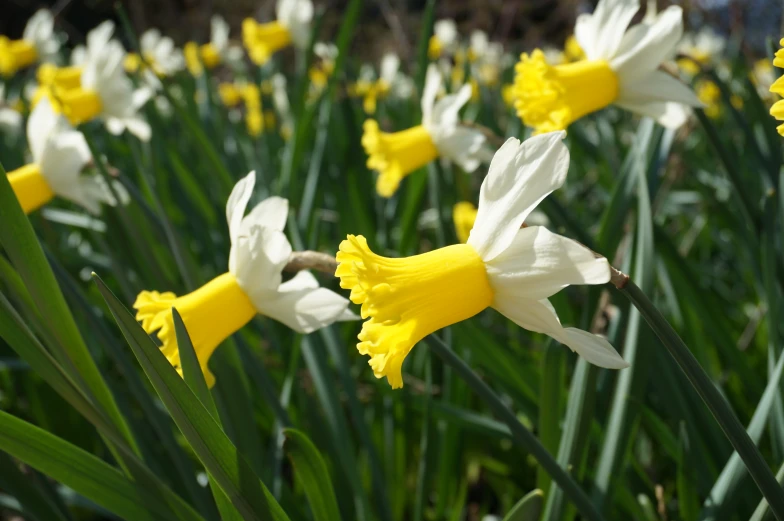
x,y
718,406
521,435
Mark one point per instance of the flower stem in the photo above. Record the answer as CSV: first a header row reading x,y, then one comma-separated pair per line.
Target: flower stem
x,y
718,406
521,435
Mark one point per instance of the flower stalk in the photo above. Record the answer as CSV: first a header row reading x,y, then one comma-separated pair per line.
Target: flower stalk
x,y
521,435
721,410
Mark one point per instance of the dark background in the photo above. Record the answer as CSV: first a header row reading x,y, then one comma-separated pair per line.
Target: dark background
x,y
394,24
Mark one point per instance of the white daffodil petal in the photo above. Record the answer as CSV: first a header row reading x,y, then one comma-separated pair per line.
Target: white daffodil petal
x,y
667,114
257,262
540,263
432,85
600,33
446,111
238,201
296,16
658,86
302,305
270,213
42,122
647,46
520,175
540,316
219,36
461,145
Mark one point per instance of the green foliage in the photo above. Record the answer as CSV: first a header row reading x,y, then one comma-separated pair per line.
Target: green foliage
x,y
95,422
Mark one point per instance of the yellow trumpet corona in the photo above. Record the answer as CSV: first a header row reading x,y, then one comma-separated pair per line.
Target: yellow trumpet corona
x,y
396,154
30,187
264,40
407,299
15,55
464,216
550,98
211,314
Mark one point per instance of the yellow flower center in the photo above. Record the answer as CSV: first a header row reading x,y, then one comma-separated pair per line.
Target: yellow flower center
x,y
550,98
210,55
464,215
434,48
710,94
15,55
264,40
78,105
30,187
133,62
229,94
397,154
192,60
407,299
211,314
49,75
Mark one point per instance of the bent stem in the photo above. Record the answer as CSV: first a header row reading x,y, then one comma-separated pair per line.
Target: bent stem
x,y
718,406
520,434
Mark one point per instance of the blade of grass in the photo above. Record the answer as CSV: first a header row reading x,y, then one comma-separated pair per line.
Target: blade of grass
x,y
220,457
311,472
718,406
520,434
20,243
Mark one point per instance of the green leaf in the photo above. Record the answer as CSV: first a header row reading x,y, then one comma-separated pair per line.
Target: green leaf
x,y
688,503
35,501
80,470
311,472
528,508
19,241
219,456
194,377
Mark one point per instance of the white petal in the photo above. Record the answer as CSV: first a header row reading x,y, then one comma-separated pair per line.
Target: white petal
x,y
257,262
42,122
432,85
270,213
520,175
540,317
647,46
666,114
446,110
600,33
220,33
302,305
540,263
657,86
64,155
238,200
296,16
462,145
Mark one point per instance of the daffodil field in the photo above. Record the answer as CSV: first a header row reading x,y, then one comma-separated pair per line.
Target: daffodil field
x,y
250,276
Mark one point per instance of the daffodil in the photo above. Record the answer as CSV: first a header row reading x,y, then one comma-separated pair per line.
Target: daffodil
x,y
292,26
253,284
485,58
319,73
159,58
398,154
59,155
621,68
463,215
700,49
97,40
502,265
710,95
105,92
38,44
218,50
444,41
777,110
389,81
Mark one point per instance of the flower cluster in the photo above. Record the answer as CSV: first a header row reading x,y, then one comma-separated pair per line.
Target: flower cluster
x,y
505,258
